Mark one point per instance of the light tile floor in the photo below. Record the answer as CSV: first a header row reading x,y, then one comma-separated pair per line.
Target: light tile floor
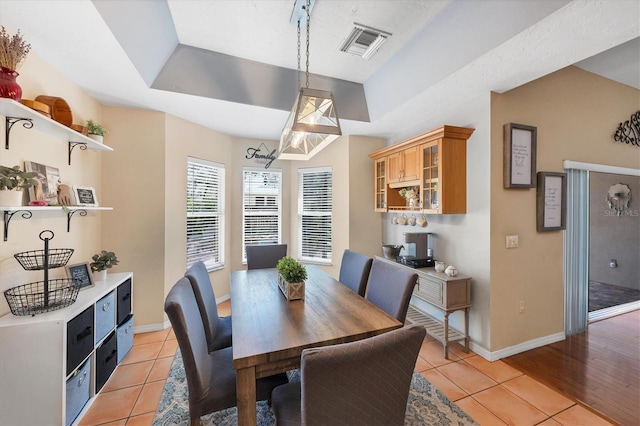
x,y
491,392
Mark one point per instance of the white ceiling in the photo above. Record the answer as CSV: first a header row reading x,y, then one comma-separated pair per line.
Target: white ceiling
x,y
441,52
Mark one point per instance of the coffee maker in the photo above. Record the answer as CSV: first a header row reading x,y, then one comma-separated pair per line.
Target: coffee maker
x,y
418,250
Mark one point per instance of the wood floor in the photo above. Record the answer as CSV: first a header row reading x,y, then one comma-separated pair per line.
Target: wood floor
x,y
599,368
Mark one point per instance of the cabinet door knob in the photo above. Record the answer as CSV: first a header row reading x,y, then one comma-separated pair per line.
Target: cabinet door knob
x,y
83,378
105,306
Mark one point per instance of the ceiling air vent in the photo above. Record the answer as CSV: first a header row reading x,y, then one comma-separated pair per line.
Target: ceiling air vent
x,y
364,41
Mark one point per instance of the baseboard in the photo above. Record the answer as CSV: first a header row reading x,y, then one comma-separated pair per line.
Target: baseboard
x,y
151,327
512,350
613,311
223,298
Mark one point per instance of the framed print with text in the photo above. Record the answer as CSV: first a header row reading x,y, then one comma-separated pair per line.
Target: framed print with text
x,y
85,196
551,201
519,156
80,273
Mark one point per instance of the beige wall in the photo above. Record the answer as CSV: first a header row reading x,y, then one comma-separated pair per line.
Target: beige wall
x,y
576,114
38,78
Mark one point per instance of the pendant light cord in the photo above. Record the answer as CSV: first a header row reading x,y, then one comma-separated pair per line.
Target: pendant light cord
x,y
298,73
308,31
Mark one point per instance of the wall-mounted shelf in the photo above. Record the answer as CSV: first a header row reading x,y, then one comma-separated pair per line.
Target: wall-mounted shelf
x,y
16,113
27,212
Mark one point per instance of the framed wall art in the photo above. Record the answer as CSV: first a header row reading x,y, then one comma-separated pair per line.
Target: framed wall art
x,y
85,196
48,179
519,156
80,272
551,201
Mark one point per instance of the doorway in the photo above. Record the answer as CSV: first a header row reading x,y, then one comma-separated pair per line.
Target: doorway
x,y
596,233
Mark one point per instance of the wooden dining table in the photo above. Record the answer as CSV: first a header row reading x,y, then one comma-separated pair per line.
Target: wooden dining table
x,y
270,333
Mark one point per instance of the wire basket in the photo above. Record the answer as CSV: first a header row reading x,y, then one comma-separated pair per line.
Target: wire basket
x,y
32,298
34,259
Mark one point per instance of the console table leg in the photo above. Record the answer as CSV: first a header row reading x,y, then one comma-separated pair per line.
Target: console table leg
x,y
446,335
466,330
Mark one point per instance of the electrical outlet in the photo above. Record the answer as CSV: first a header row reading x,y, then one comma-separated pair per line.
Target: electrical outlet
x,y
521,306
512,241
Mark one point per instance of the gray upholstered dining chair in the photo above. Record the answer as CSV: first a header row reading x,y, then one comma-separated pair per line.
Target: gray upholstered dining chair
x,y
217,329
265,256
211,379
354,271
390,287
359,383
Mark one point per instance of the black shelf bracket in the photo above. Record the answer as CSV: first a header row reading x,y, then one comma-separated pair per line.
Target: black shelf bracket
x,y
83,146
70,213
10,121
26,214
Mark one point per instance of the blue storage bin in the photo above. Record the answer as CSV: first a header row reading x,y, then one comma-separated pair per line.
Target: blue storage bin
x,y
78,391
125,337
105,316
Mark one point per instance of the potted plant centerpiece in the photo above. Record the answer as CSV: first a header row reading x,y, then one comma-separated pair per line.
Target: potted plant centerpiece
x,y
12,182
13,50
291,276
95,131
101,262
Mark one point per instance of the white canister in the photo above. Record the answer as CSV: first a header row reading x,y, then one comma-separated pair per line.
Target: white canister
x,y
440,266
451,271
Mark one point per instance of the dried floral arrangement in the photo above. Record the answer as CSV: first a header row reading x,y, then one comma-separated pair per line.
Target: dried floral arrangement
x,y
13,49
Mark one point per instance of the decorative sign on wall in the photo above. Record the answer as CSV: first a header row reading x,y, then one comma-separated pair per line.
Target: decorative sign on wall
x,y
551,201
261,155
629,131
519,156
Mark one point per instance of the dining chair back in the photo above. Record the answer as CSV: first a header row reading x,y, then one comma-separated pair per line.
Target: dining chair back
x,y
217,329
211,378
265,256
390,287
354,271
359,383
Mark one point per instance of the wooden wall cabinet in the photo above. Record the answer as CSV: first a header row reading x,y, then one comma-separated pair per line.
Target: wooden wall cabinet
x,y
440,160
404,166
380,185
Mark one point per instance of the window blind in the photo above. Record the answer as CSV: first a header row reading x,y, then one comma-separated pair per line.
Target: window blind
x,y
261,208
205,213
315,207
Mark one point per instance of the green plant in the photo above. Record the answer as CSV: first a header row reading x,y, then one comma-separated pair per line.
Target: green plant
x,y
94,128
103,260
13,49
291,270
12,178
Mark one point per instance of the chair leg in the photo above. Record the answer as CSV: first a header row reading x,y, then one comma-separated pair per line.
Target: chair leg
x,y
195,422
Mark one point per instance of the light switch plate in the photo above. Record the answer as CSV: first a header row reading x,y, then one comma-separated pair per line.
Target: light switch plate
x,y
512,241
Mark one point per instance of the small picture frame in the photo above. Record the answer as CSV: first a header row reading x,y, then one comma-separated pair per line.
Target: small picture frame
x,y
519,156
80,272
551,201
85,196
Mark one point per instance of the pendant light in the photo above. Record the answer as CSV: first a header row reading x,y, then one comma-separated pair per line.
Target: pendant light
x,y
313,122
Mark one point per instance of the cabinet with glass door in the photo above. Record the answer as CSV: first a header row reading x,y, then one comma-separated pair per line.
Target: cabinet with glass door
x,y
380,185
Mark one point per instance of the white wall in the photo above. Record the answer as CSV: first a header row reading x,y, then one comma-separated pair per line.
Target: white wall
x,y
461,240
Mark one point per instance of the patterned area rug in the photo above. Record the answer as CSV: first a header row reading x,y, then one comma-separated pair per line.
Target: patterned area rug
x,y
426,405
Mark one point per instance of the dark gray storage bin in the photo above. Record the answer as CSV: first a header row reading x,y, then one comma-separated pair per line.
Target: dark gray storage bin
x,y
106,360
78,391
105,316
79,338
124,301
125,337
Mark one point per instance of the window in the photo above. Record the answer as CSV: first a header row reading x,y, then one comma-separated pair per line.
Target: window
x,y
261,208
314,214
205,213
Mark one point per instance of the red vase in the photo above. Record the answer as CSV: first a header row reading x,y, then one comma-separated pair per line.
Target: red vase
x,y
9,87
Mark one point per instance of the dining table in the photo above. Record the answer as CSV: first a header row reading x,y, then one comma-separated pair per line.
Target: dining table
x,y
270,333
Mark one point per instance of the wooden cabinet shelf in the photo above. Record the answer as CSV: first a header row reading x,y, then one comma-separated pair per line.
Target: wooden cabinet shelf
x,y
435,162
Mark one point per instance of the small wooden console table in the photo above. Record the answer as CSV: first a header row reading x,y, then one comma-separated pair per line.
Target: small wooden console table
x,y
448,294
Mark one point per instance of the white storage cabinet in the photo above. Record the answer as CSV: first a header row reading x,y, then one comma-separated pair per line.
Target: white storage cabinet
x,y
53,363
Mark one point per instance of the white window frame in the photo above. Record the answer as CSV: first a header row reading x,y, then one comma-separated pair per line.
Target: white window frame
x,y
254,212
214,174
303,253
